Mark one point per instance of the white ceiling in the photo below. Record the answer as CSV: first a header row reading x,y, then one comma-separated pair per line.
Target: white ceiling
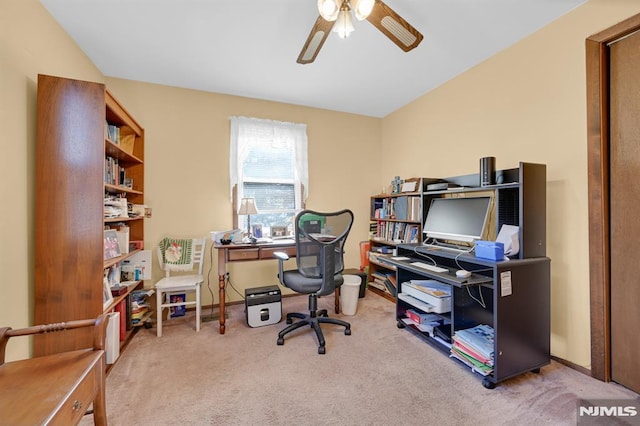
x,y
249,47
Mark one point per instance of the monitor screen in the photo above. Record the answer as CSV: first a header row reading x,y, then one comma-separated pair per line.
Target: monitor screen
x,y
457,219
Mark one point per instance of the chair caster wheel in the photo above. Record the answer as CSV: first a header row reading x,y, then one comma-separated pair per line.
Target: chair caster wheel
x,y
280,341
321,350
488,384
347,332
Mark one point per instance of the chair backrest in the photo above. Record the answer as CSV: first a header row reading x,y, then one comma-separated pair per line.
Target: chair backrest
x,y
320,239
178,259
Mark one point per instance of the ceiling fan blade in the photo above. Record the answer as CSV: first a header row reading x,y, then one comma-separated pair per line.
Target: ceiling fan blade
x,y
393,26
317,36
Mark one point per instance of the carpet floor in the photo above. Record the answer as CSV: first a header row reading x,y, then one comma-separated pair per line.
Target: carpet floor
x,y
380,375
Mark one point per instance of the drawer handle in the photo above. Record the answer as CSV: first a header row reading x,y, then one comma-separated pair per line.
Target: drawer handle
x,y
77,405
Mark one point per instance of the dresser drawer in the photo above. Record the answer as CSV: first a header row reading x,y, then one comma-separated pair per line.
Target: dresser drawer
x,y
243,254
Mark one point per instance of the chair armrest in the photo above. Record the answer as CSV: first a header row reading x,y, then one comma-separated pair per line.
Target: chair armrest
x,y
281,255
99,334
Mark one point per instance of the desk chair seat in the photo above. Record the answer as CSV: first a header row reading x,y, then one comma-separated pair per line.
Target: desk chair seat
x,y
319,257
178,257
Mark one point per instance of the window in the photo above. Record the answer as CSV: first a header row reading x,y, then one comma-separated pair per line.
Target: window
x,y
268,162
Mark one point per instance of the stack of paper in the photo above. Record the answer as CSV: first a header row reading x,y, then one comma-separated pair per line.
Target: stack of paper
x,y
475,347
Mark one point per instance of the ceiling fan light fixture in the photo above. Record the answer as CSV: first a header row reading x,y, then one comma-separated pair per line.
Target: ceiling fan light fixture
x,y
343,25
329,9
362,8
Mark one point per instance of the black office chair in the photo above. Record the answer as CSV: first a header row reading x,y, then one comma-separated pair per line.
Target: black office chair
x,y
320,239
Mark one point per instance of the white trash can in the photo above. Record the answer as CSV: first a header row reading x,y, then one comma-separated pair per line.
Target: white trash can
x,y
349,293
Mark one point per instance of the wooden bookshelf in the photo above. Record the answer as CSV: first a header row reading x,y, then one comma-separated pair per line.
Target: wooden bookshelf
x,y
71,153
394,219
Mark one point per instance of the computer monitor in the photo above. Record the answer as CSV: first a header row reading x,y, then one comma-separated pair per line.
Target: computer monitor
x,y
457,219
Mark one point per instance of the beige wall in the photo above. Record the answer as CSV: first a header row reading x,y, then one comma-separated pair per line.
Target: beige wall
x,y
31,43
187,167
187,138
526,103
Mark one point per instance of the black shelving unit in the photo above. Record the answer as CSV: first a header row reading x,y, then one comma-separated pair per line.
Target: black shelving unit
x,y
513,296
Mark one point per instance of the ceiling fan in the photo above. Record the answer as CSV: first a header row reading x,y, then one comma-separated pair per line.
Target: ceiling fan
x,y
336,15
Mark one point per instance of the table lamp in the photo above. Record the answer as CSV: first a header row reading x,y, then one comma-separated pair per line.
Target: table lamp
x,y
248,207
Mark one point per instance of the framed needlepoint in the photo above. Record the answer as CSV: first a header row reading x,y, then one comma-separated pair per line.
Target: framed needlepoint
x,y
111,246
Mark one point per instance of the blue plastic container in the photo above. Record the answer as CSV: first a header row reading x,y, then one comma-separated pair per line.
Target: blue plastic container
x,y
491,250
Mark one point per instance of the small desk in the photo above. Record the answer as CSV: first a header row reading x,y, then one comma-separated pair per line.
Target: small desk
x,y
251,252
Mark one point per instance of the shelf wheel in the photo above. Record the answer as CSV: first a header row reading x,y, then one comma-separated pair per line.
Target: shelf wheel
x,y
488,383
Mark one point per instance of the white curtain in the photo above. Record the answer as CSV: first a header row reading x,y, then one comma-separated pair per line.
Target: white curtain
x,y
246,128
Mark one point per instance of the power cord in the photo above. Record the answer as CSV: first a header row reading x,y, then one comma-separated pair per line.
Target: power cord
x,y
481,302
232,286
415,250
210,316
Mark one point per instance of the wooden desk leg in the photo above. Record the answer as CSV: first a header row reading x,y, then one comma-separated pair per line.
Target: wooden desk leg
x,y
99,402
222,273
337,300
221,293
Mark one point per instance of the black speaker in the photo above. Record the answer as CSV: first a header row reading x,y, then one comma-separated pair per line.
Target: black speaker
x,y
487,171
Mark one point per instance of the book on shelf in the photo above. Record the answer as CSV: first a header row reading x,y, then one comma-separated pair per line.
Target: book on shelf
x,y
422,318
411,234
378,285
441,341
180,310
469,351
414,209
112,133
401,208
122,309
479,338
475,365
376,208
391,287
138,295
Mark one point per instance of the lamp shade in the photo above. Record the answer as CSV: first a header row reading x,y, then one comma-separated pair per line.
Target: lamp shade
x,y
343,25
329,9
362,8
247,206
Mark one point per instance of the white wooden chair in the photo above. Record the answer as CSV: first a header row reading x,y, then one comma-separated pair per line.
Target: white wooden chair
x,y
180,280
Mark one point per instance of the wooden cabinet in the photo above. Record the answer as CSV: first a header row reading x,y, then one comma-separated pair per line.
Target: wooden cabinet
x,y
72,154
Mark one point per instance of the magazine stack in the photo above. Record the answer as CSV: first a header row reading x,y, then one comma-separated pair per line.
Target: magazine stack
x,y
474,347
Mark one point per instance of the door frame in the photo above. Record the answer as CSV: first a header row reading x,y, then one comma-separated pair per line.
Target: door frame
x,y
597,63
